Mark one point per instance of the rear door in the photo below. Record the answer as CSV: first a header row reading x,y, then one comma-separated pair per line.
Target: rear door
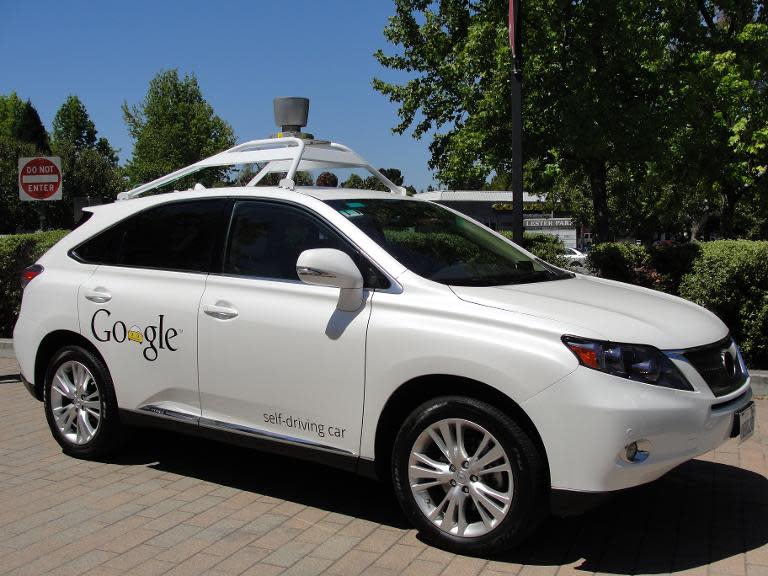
x,y
139,308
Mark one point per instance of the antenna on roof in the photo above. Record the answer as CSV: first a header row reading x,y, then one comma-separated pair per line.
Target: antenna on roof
x,y
291,115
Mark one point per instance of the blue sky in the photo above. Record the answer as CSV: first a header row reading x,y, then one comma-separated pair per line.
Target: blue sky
x,y
244,53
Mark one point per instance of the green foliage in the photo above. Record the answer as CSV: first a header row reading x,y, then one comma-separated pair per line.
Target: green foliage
x,y
671,263
546,246
20,122
89,164
16,253
15,215
730,278
639,115
372,183
72,125
173,127
620,261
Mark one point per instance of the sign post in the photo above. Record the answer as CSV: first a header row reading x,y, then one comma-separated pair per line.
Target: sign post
x,y
40,181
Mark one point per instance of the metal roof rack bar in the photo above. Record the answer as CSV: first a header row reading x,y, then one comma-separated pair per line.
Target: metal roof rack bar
x,y
274,154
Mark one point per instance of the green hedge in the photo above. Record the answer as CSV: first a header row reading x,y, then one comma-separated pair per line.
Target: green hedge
x,y
622,262
728,277
16,253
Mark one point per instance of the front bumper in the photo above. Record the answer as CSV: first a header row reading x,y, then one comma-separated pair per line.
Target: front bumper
x,y
587,419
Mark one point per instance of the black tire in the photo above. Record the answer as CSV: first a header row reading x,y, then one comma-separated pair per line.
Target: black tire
x,y
527,507
107,437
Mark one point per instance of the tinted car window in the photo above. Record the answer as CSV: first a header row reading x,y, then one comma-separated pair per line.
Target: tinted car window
x,y
178,236
442,246
266,240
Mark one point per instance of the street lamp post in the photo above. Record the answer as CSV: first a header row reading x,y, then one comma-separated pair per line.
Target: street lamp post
x,y
515,21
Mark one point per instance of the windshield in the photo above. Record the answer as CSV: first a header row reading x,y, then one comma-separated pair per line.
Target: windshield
x,y
442,246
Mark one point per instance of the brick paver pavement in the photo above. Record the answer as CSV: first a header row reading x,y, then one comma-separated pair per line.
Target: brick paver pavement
x,y
176,505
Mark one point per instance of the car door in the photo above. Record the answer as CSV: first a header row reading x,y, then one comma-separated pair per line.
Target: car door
x,y
140,306
276,357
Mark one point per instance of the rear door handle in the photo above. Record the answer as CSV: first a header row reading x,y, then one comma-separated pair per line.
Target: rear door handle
x,y
220,310
98,295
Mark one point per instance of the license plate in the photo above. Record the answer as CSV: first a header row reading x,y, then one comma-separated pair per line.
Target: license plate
x,y
746,421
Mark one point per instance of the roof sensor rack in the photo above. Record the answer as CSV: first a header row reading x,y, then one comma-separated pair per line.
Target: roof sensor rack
x,y
287,153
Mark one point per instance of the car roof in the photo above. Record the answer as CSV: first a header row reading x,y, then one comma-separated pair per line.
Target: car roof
x,y
125,207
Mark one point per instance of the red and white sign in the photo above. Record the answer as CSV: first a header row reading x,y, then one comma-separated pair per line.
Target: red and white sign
x,y
40,178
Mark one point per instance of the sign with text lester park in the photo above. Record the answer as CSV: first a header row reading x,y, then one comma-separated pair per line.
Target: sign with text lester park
x,y
40,178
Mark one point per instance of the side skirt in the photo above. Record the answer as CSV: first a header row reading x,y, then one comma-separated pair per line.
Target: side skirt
x,y
153,417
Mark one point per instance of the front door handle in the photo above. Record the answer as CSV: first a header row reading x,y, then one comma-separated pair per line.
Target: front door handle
x,y
220,311
98,295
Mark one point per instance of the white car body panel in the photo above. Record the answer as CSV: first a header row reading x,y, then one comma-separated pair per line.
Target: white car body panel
x,y
612,310
157,367
285,362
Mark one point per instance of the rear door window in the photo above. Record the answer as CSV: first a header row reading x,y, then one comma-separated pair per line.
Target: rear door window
x,y
180,236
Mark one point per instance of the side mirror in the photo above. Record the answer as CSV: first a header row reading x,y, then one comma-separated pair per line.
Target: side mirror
x,y
330,267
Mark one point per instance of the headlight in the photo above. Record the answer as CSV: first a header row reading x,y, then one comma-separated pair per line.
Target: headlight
x,y
632,361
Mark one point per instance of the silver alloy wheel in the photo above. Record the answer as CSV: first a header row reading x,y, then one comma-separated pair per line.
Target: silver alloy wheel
x,y
75,402
461,477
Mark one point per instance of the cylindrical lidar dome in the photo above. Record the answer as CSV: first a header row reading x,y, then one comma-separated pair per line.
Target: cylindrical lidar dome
x,y
291,113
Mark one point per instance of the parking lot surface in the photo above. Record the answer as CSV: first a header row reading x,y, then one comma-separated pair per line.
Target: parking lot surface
x,y
175,505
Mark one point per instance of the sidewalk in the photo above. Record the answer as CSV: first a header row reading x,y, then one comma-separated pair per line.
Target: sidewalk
x,y
180,506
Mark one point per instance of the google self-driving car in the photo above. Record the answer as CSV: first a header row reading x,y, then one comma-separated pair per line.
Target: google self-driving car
x,y
375,332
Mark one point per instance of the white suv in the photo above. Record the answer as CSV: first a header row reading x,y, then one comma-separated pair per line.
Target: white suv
x,y
381,334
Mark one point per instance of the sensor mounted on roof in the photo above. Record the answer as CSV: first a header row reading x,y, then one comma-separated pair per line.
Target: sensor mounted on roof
x,y
291,115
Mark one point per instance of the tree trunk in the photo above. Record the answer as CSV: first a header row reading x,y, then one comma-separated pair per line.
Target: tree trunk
x,y
726,215
598,185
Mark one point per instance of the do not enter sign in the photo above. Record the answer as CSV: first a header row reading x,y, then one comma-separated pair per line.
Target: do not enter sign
x,y
40,178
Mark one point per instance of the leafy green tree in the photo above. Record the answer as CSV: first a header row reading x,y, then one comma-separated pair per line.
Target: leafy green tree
x,y
89,164
591,91
653,112
21,134
174,126
20,121
354,181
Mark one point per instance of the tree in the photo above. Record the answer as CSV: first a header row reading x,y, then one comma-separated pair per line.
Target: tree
x,y
354,181
594,86
89,164
639,106
21,134
20,121
174,126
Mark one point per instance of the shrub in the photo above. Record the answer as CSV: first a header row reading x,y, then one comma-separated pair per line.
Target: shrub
x,y
546,246
622,262
16,253
672,263
730,278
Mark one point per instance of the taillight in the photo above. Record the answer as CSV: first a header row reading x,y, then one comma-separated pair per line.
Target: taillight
x,y
30,273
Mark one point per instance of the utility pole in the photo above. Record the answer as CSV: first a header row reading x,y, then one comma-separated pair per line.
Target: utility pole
x,y
515,22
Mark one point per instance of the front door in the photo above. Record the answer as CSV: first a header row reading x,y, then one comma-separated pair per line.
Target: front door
x,y
276,357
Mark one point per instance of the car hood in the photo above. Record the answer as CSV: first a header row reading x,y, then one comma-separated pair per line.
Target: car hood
x,y
606,309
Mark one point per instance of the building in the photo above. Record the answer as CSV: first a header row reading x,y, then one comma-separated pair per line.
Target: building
x,y
494,209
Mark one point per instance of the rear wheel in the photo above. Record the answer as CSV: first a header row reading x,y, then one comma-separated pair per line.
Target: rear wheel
x,y
468,476
80,404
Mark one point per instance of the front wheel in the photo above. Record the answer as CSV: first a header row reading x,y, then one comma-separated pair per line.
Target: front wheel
x,y
468,476
80,404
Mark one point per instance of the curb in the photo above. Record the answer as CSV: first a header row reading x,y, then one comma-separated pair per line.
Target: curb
x,y
6,348
759,377
759,382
